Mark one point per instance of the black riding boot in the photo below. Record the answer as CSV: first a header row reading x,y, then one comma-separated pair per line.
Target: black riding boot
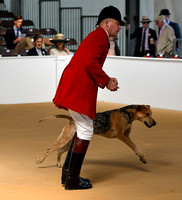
x,y
73,180
67,161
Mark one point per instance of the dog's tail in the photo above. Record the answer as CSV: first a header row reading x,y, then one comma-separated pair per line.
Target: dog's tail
x,y
55,116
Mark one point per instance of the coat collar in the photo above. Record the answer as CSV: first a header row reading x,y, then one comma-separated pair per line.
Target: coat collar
x,y
106,33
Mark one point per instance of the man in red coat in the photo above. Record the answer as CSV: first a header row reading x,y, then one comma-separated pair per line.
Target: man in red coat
x,y
77,91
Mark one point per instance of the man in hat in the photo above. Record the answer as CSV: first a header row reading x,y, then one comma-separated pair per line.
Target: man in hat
x,y
77,91
146,38
37,50
174,25
164,43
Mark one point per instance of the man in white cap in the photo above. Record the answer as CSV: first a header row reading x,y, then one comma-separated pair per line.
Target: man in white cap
x,y
164,43
77,91
174,25
146,38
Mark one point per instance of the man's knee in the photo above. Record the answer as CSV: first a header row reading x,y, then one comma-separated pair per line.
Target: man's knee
x,y
84,135
27,39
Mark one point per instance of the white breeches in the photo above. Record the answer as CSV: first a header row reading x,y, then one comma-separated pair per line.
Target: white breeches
x,y
84,125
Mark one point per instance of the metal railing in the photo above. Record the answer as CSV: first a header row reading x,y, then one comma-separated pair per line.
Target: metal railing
x,y
88,24
70,24
49,14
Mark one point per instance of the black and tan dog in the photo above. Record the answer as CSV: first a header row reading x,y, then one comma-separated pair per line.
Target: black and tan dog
x,y
115,123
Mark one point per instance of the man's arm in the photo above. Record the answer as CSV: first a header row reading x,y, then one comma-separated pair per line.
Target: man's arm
x,y
10,37
171,37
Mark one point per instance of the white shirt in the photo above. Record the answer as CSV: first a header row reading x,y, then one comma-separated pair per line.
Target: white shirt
x,y
39,52
16,31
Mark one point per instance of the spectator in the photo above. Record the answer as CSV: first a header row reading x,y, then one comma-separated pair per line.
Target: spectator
x,y
146,38
37,50
16,36
77,91
60,49
174,25
114,48
164,43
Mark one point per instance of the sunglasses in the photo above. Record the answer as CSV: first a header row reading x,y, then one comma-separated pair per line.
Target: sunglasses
x,y
145,22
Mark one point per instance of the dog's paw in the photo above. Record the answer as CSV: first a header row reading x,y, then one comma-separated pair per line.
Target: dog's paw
x,y
59,165
142,159
38,161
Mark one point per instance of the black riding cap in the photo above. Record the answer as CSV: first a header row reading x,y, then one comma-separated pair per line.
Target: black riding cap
x,y
165,12
110,12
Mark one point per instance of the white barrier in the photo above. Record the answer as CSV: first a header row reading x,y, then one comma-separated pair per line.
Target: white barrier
x,y
27,79
150,81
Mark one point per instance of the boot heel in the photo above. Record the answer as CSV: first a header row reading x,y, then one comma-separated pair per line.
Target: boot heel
x,y
64,174
76,183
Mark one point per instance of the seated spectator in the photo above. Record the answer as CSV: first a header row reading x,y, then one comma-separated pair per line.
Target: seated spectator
x,y
60,49
146,38
16,36
37,50
114,48
164,43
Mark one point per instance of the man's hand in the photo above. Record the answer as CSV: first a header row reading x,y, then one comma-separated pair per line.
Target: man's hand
x,y
112,85
19,39
128,26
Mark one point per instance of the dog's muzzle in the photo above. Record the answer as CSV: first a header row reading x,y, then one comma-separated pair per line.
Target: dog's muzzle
x,y
150,125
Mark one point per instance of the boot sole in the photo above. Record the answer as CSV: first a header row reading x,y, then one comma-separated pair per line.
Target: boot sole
x,y
77,188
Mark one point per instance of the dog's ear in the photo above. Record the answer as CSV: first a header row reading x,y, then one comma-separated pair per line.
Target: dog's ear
x,y
148,106
139,108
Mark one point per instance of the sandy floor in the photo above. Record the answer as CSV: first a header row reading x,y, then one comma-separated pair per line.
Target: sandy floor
x,y
114,169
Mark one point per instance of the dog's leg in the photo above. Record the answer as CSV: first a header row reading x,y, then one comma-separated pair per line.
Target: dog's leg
x,y
60,152
48,151
64,138
131,144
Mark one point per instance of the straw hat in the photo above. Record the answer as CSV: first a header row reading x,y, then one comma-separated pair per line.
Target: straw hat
x,y
145,19
60,38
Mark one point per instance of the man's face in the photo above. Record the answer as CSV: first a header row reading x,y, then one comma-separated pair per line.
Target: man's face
x,y
166,17
18,23
145,24
114,28
38,43
159,23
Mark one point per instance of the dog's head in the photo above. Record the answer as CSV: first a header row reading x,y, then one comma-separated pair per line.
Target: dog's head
x,y
144,114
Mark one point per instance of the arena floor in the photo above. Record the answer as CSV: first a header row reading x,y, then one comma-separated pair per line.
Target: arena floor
x,y
113,168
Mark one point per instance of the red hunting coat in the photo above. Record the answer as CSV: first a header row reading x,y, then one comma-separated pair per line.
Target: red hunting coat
x,y
78,86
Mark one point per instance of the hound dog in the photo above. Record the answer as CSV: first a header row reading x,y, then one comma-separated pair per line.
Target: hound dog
x,y
115,123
